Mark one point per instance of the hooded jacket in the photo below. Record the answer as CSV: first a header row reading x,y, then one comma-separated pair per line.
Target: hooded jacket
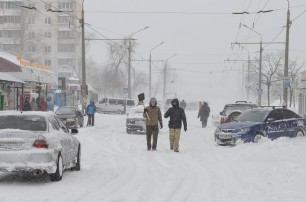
x,y
177,115
91,108
154,114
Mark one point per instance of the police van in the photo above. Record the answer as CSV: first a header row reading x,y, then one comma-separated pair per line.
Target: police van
x,y
115,105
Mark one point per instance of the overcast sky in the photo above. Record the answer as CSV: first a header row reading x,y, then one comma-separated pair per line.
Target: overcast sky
x,y
200,33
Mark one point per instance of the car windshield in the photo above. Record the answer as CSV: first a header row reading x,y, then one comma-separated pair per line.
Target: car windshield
x,y
31,122
253,116
230,109
65,110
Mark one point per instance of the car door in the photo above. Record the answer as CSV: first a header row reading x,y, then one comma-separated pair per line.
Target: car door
x,y
291,119
276,125
65,139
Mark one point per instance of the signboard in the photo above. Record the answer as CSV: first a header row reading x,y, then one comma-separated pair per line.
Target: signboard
x,y
259,91
125,90
286,82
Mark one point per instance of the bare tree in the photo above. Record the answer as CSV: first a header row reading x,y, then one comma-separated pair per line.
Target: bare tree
x,y
294,70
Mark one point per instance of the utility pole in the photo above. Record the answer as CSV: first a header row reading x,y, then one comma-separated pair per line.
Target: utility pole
x,y
286,81
84,89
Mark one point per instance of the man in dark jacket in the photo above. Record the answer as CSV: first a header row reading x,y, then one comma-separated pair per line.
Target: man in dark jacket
x,y
177,115
90,111
204,114
152,115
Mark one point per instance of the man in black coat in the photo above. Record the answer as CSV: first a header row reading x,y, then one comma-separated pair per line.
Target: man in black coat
x,y
177,115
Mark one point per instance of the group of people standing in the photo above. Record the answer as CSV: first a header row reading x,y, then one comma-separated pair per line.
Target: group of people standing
x,y
153,116
35,105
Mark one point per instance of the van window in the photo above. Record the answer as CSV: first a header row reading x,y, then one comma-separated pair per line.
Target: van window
x,y
112,101
130,103
104,100
120,102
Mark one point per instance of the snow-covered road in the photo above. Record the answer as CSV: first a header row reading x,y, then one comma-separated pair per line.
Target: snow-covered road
x,y
117,167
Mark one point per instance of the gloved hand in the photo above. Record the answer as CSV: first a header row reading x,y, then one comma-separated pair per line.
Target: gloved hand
x,y
161,126
145,110
185,129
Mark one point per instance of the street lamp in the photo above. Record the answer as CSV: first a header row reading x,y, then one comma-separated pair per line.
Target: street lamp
x,y
129,69
165,75
150,78
259,91
84,86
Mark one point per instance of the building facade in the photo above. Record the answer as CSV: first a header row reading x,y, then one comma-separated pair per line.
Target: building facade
x,y
47,32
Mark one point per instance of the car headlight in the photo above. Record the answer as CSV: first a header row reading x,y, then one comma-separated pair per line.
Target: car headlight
x,y
218,130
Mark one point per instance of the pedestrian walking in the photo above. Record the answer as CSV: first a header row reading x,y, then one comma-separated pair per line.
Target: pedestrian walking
x,y
90,111
177,115
204,114
33,105
154,116
26,105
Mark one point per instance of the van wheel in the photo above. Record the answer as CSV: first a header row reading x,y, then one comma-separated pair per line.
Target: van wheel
x,y
299,133
119,112
258,137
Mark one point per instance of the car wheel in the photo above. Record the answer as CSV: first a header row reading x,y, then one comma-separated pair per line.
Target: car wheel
x,y
128,131
78,158
299,133
119,112
258,137
58,175
233,116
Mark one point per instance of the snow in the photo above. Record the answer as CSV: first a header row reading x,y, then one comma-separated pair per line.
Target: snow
x,y
117,167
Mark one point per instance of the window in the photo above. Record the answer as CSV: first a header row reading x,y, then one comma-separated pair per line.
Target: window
x,y
48,20
48,62
62,125
32,49
66,34
31,35
119,102
289,114
276,114
48,35
66,47
54,123
112,101
65,6
29,122
104,100
65,61
48,49
130,103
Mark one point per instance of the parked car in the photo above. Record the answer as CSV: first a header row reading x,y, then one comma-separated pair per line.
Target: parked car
x,y
254,124
135,121
115,105
231,111
37,142
71,116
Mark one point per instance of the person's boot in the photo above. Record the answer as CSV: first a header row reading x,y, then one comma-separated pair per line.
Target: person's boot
x,y
171,147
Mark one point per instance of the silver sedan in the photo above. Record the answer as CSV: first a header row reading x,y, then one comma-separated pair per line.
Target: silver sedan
x,y
37,142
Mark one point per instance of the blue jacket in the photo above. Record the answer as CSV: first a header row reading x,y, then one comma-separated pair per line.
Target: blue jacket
x,y
91,108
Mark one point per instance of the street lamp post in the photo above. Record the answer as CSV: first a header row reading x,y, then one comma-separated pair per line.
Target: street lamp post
x,y
259,92
150,77
285,84
165,75
84,86
129,69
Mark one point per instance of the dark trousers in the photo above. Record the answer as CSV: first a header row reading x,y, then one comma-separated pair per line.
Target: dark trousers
x,y
91,119
152,130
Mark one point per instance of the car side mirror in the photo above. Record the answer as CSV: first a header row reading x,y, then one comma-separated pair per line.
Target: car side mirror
x,y
74,131
271,120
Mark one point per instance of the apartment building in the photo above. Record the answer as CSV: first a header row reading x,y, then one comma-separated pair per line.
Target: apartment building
x,y
43,31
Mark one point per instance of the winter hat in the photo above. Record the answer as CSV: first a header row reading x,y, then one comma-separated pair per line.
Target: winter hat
x,y
153,102
175,102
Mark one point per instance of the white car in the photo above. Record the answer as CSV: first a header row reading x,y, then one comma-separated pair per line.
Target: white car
x,y
37,142
135,121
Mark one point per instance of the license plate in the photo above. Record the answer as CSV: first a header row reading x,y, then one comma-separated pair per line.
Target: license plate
x,y
11,145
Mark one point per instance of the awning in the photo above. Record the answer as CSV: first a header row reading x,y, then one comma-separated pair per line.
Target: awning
x,y
7,77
